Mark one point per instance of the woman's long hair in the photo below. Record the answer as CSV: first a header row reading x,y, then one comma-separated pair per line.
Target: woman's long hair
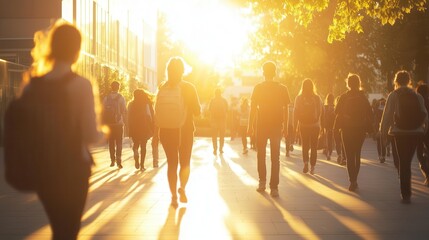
x,y
307,88
142,96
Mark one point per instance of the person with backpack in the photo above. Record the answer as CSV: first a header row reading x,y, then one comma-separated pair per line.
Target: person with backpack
x,y
269,104
49,128
176,105
355,117
423,146
307,113
140,125
406,119
339,148
114,114
328,124
218,109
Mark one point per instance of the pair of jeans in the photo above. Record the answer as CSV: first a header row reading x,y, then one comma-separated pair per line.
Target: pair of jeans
x,y
381,146
115,143
262,137
139,143
405,147
177,145
329,141
352,141
309,138
218,130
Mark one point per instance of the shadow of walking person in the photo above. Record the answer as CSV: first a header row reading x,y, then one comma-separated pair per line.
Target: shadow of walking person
x,y
171,228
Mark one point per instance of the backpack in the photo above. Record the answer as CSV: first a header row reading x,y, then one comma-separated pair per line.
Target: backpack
x,y
355,114
111,113
40,142
408,114
170,110
309,111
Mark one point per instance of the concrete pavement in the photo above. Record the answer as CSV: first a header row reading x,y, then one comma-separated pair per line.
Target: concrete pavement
x,y
223,203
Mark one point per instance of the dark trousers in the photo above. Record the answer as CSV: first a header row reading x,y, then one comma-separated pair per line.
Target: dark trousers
x,y
177,145
352,141
115,143
262,137
139,143
405,147
243,134
64,202
423,155
381,145
309,138
218,130
339,145
289,138
329,141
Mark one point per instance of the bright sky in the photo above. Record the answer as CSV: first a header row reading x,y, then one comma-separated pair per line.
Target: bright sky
x,y
214,31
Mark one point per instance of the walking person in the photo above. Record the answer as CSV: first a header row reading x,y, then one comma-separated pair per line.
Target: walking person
x,y
244,120
307,113
355,120
218,109
423,146
62,122
381,140
404,118
269,104
140,125
176,105
328,124
114,114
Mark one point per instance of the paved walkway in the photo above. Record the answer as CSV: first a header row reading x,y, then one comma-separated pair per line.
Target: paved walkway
x,y
223,203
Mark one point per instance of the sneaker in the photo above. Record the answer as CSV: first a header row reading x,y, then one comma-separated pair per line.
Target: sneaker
x,y
155,165
261,188
343,163
312,170
382,159
305,169
182,196
353,186
120,166
291,148
215,152
142,169
245,151
136,164
274,193
112,164
221,151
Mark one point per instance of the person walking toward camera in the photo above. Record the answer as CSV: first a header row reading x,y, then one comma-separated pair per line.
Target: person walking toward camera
x,y
269,104
406,119
218,109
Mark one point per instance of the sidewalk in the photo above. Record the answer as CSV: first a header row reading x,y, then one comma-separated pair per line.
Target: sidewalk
x,y
223,203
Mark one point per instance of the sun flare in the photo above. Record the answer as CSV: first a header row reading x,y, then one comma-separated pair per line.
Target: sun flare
x,y
217,33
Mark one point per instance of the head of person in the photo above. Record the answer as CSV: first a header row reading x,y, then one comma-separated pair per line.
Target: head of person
x,y
175,69
307,87
269,70
423,89
353,82
217,92
65,43
402,78
138,95
330,99
114,86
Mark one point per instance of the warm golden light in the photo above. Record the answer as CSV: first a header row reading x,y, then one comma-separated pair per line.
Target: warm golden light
x,y
215,32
